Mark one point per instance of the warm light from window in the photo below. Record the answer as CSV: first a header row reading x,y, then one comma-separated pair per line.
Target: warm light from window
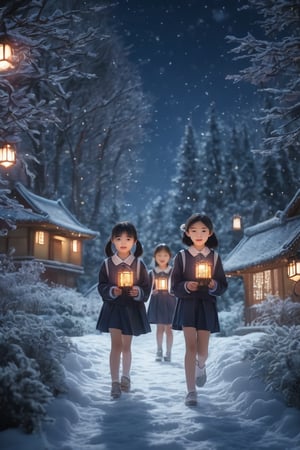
x,y
294,269
40,237
75,246
262,285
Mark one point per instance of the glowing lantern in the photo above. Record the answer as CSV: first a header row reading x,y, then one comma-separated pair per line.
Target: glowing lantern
x,y
7,155
236,222
125,278
6,55
203,272
161,283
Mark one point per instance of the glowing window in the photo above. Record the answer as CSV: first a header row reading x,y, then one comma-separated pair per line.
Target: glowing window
x,y
75,246
262,285
40,237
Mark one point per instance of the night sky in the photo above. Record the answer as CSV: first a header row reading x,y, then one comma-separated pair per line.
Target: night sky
x,y
180,49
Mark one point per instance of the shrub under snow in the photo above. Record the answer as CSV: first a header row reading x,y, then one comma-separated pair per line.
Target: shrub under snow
x,y
275,311
35,322
23,395
276,359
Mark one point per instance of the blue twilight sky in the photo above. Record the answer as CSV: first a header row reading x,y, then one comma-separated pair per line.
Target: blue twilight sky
x,y
181,51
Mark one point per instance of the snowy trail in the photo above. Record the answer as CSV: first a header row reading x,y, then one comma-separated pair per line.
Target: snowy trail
x,y
232,410
234,413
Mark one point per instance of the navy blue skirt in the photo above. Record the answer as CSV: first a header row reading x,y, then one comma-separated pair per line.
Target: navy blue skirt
x,y
196,313
131,319
161,308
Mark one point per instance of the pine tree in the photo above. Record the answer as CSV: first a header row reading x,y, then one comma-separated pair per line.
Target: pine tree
x,y
232,166
212,167
248,168
187,180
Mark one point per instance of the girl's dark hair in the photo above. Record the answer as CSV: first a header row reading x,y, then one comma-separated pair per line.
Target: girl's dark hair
x,y
212,241
159,248
129,229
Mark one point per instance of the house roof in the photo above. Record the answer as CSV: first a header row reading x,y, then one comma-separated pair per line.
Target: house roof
x,y
268,241
46,211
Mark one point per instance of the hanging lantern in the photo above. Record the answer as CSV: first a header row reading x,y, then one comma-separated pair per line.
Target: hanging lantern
x,y
236,222
7,155
6,56
294,268
161,283
125,278
203,272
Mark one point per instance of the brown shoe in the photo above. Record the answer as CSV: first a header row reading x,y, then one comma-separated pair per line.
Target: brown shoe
x,y
125,383
115,389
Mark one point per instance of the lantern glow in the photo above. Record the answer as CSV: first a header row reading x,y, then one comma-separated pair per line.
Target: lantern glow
x,y
7,155
125,278
236,222
203,272
5,56
161,283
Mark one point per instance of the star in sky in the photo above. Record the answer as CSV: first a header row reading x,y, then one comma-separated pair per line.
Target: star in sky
x,y
181,51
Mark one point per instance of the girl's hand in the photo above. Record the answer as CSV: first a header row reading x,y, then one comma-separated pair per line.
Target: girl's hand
x,y
134,292
192,286
212,284
117,291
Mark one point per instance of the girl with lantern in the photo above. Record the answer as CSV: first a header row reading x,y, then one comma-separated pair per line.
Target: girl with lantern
x,y
124,286
162,303
197,279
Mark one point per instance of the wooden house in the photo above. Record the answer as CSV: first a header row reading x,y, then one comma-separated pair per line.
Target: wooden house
x,y
267,258
45,231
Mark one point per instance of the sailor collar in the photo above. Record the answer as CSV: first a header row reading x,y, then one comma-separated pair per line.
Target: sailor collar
x,y
194,252
117,260
158,270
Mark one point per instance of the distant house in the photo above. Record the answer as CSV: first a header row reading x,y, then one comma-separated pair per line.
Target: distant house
x,y
46,232
262,256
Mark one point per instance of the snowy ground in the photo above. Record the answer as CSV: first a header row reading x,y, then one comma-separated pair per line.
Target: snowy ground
x,y
234,413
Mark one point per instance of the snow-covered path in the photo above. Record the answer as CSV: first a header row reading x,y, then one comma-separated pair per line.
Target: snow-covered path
x,y
233,413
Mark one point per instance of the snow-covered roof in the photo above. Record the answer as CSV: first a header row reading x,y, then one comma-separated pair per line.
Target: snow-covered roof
x,y
268,241
53,212
11,213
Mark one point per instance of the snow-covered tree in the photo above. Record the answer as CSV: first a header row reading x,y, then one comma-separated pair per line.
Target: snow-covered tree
x,y
212,166
274,67
231,174
185,184
82,104
155,225
248,168
43,44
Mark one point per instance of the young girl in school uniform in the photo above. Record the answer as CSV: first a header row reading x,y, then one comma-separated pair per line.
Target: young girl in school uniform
x,y
162,303
196,310
123,313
